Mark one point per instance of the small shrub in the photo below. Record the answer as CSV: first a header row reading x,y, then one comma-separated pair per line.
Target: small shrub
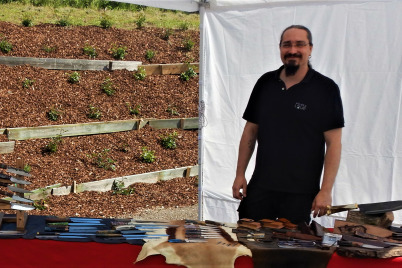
x,y
184,26
133,110
27,83
166,34
187,75
90,51
140,74
147,156
94,112
41,204
118,52
149,54
53,145
27,168
172,110
169,141
64,22
106,22
27,21
108,87
5,46
74,77
140,21
188,44
49,49
53,114
118,188
124,147
102,160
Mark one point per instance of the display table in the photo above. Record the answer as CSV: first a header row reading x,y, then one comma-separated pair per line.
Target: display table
x,y
47,253
32,252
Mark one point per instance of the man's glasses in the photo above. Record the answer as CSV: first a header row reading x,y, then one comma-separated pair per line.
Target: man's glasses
x,y
298,44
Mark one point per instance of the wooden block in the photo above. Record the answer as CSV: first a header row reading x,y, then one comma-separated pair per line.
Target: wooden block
x,y
22,218
370,229
7,147
382,220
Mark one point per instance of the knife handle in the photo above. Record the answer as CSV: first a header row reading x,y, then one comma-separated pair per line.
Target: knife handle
x,y
6,193
336,209
4,176
3,184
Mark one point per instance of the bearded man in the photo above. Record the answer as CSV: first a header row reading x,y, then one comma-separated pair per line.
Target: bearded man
x,y
296,116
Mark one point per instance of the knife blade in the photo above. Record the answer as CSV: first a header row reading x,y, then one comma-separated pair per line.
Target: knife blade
x,y
368,208
10,179
14,170
23,207
14,189
16,197
18,190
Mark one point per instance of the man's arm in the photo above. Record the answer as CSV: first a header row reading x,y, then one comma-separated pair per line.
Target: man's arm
x,y
331,164
246,149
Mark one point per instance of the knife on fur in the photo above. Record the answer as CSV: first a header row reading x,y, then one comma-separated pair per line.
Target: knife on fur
x,y
15,170
368,208
10,179
16,197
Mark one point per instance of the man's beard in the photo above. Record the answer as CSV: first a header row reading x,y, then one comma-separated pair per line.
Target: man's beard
x,y
291,68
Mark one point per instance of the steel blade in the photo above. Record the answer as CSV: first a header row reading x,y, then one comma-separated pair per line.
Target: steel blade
x,y
19,181
18,190
14,170
380,207
21,199
21,207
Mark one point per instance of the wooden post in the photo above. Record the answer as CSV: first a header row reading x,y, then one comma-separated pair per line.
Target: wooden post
x,y
22,216
188,171
74,187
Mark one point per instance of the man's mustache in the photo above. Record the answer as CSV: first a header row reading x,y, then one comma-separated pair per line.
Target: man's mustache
x,y
295,55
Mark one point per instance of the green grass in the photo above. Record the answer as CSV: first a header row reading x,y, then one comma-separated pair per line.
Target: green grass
x,y
126,19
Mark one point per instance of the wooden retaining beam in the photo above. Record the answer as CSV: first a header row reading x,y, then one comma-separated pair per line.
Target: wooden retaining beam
x,y
183,123
42,193
7,147
98,65
41,132
25,133
178,68
106,185
71,64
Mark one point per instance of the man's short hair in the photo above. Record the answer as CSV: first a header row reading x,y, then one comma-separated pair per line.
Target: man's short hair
x,y
301,27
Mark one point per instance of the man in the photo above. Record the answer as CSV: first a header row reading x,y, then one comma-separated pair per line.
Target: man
x,y
294,113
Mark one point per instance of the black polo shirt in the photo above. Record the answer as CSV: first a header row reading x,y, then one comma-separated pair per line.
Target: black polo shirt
x,y
291,145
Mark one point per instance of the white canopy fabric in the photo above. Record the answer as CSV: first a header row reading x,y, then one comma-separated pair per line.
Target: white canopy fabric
x,y
356,43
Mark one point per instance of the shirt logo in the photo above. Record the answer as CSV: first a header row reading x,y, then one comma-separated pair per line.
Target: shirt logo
x,y
300,106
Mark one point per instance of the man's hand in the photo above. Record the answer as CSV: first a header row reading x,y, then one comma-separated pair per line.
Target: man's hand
x,y
321,202
240,183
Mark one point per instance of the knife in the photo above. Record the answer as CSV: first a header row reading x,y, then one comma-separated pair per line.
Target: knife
x,y
16,206
10,179
15,170
16,197
15,189
368,208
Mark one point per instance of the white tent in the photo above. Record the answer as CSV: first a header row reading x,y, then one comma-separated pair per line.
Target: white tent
x,y
356,43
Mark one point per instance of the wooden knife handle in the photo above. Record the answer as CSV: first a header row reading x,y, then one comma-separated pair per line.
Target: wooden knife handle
x,y
336,209
6,193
